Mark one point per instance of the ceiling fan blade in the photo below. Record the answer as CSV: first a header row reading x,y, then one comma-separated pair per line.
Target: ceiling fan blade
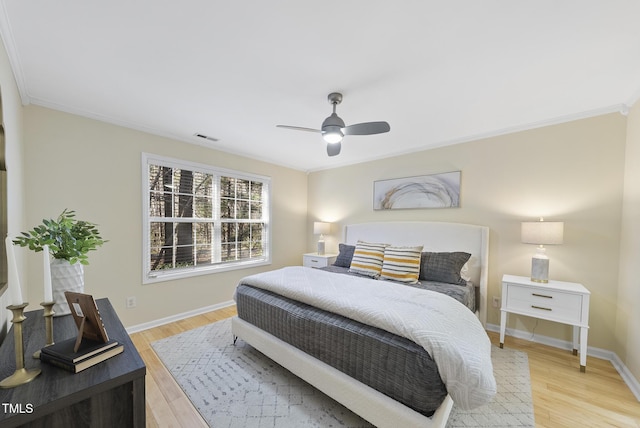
x,y
333,149
367,128
299,128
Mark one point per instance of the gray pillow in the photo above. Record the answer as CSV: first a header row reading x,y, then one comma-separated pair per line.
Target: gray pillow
x,y
443,267
345,254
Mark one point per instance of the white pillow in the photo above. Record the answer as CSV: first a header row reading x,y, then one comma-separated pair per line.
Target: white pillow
x,y
464,272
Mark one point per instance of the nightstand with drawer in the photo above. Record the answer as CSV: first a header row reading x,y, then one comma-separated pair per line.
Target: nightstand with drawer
x,y
316,260
559,301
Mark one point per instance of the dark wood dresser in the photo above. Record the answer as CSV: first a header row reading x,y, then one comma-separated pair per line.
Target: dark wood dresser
x,y
110,394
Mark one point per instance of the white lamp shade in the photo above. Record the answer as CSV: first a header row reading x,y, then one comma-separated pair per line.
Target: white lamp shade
x,y
542,232
321,228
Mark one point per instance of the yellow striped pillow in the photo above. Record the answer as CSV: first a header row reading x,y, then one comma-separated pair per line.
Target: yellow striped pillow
x,y
401,264
367,259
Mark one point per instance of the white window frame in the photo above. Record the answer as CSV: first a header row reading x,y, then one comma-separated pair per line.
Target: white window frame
x,y
150,277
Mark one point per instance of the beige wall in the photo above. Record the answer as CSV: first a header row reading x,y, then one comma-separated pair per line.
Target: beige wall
x,y
95,168
12,121
628,316
571,172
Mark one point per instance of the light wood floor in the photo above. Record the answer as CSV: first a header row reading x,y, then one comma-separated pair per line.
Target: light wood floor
x,y
562,396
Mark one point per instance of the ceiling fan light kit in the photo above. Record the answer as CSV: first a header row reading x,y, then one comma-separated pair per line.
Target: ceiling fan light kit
x,y
332,134
333,128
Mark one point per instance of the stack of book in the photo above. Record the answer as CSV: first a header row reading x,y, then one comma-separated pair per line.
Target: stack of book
x,y
89,353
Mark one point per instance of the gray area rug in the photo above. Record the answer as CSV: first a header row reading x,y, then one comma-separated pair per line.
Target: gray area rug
x,y
237,386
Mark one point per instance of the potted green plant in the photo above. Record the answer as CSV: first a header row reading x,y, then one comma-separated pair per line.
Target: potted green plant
x,y
69,241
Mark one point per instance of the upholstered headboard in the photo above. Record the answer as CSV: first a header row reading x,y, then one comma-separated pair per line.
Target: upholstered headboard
x,y
434,237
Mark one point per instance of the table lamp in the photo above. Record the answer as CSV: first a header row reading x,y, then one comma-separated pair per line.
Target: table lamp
x,y
541,233
321,228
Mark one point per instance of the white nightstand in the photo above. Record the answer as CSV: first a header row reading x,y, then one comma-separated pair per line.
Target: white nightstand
x,y
315,260
563,302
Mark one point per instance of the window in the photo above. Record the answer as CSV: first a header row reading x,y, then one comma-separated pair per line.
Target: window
x,y
199,219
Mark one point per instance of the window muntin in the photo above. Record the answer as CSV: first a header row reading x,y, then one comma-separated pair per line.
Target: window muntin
x,y
200,219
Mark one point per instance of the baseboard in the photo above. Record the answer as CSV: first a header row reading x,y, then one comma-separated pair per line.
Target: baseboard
x,y
604,354
178,317
626,375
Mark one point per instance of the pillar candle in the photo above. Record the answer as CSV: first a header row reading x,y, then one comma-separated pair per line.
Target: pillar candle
x,y
15,292
48,294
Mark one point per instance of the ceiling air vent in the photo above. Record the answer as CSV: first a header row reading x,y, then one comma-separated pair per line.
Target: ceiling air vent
x,y
206,137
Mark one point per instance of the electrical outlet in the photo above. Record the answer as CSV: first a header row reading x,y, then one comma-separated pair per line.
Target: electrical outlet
x,y
496,302
131,302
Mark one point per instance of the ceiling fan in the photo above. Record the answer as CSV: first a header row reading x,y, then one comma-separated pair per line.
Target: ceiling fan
x,y
333,128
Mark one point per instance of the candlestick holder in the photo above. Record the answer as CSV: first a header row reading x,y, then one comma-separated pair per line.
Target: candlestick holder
x,y
48,324
21,375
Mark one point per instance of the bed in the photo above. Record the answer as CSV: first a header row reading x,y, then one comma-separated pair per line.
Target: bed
x,y
296,325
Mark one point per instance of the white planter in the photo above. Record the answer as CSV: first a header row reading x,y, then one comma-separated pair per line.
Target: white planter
x,y
65,277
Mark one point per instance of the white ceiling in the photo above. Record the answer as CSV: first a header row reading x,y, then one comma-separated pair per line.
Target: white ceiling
x,y
440,72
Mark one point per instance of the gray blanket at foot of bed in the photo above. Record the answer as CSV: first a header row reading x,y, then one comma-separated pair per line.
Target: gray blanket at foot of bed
x,y
391,364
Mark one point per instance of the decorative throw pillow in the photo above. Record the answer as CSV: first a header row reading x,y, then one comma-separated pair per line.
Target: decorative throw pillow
x,y
345,254
401,264
443,267
367,259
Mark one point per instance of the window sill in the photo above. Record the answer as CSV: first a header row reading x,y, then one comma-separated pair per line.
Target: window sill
x,y
188,273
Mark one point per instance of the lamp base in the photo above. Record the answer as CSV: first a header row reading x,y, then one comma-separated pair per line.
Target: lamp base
x,y
321,248
541,281
540,269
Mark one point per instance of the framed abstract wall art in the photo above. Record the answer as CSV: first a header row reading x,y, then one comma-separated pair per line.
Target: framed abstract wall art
x,y
424,191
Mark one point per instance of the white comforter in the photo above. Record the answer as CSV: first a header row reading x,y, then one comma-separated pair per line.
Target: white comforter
x,y
448,330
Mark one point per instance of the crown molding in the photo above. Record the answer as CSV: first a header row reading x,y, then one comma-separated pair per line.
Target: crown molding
x,y
12,53
632,100
616,108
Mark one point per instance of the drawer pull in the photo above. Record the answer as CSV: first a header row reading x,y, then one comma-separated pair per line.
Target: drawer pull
x,y
542,295
540,307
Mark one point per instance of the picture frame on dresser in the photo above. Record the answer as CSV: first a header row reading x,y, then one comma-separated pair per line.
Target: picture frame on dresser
x,y
84,311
